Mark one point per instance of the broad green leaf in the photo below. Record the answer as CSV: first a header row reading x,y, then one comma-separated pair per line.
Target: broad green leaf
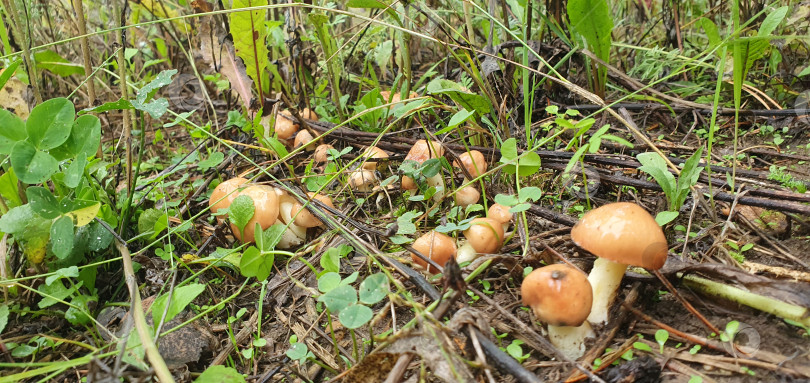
x,y
53,293
16,220
50,123
373,289
457,93
98,237
591,20
268,239
506,200
181,298
328,281
241,211
62,237
772,20
530,193
147,220
339,298
57,64
711,32
220,374
120,104
254,263
405,222
9,188
688,178
162,79
665,217
804,72
297,351
355,316
249,39
459,118
12,131
654,165
84,140
74,172
213,160
76,314
31,165
43,202
330,260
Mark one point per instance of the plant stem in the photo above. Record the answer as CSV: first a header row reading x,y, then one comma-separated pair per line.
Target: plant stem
x,y
122,85
14,14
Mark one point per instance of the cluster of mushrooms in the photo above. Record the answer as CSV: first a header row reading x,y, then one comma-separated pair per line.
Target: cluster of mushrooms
x,y
272,206
620,234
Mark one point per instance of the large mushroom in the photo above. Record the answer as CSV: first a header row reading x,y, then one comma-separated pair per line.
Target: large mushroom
x,y
265,203
436,246
303,217
475,165
619,234
370,153
561,296
224,194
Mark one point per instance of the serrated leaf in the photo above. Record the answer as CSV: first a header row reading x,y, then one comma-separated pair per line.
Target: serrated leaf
x,y
249,38
241,211
181,298
50,122
355,316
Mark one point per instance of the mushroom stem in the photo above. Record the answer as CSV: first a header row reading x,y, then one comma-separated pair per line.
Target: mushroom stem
x,y
605,278
466,253
570,340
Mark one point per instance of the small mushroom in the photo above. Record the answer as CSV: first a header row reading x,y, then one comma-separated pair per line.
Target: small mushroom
x,y
561,296
285,125
294,235
421,152
362,180
485,235
265,203
321,153
501,214
473,161
303,217
373,152
304,138
619,234
224,194
467,196
436,246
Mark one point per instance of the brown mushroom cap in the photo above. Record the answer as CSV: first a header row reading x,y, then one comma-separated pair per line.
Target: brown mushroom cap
x,y
485,235
285,125
321,153
309,114
559,295
386,94
303,217
499,213
420,152
265,203
436,246
226,189
373,152
622,232
473,161
362,180
304,138
467,196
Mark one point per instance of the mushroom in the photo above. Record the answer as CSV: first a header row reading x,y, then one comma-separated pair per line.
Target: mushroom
x,y
224,194
396,97
321,153
373,152
294,235
304,138
308,114
265,203
303,217
473,161
485,235
421,152
501,214
362,180
436,246
467,196
619,234
560,296
285,125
